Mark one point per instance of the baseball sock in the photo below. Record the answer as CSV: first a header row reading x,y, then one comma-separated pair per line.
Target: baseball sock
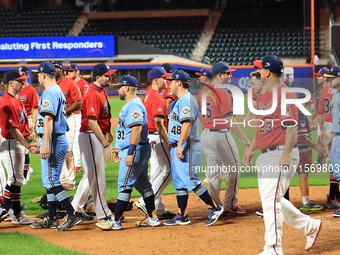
x,y
333,188
149,200
26,165
7,196
202,192
122,200
182,196
305,200
286,195
62,197
52,204
15,199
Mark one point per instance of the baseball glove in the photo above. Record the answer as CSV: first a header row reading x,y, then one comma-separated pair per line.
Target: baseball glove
x,y
33,137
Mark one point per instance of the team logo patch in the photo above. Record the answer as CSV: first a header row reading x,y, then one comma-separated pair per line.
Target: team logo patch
x,y
45,103
135,114
186,110
303,123
338,106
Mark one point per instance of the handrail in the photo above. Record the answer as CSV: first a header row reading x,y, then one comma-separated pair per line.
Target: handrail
x,y
331,7
336,57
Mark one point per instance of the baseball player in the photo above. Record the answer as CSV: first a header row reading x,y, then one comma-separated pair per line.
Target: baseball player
x,y
186,152
169,96
334,138
73,103
134,153
95,140
277,163
51,127
218,144
160,175
29,97
325,122
73,72
14,127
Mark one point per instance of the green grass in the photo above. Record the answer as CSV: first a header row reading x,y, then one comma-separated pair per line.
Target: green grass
x,y
15,243
34,187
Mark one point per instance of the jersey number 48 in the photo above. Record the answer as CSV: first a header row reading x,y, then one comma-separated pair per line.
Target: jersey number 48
x,y
176,130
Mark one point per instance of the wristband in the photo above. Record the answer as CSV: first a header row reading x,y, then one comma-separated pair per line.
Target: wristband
x,y
106,145
131,150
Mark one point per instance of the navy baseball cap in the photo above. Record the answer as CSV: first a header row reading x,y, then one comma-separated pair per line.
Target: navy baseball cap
x,y
157,72
58,64
221,67
322,72
270,62
128,80
205,72
45,67
24,69
102,69
167,67
334,72
14,75
179,75
72,67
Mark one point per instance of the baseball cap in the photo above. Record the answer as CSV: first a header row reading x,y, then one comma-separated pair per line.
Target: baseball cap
x,y
322,72
24,69
45,67
157,72
57,64
180,75
334,72
270,62
128,80
102,69
205,72
72,67
14,75
167,67
221,67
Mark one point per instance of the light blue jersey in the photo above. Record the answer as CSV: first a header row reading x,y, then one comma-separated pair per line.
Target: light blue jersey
x,y
53,102
184,108
336,113
132,114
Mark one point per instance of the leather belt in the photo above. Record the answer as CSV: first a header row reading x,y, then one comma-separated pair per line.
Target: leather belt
x,y
173,145
275,147
153,133
223,130
336,134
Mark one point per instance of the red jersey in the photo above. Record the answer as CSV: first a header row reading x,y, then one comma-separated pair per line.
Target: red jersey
x,y
166,93
71,91
29,97
13,114
83,86
155,106
96,103
272,132
324,106
216,110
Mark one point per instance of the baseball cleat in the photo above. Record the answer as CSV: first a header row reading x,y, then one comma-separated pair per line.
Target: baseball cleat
x,y
87,216
141,207
310,206
311,239
70,221
167,215
22,219
336,214
236,210
259,213
45,223
214,214
332,203
178,220
153,222
3,214
109,224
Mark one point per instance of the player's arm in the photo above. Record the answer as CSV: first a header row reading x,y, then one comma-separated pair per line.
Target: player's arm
x,y
33,148
159,123
249,153
99,134
290,139
185,131
34,117
237,130
48,128
312,145
330,140
74,107
134,140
